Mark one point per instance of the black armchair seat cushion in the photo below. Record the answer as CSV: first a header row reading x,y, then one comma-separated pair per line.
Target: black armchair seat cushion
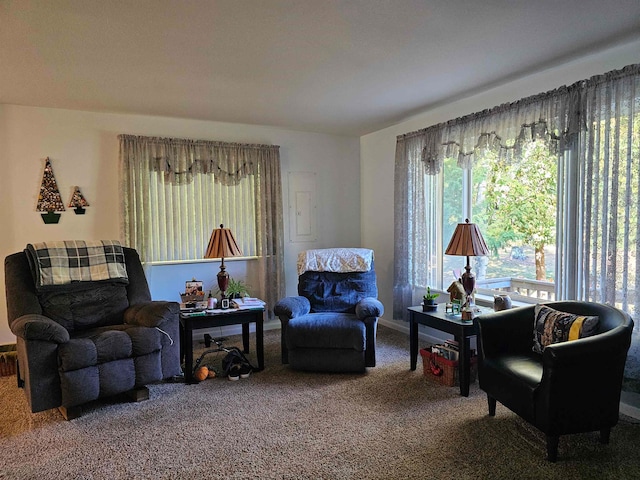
x,y
513,378
326,330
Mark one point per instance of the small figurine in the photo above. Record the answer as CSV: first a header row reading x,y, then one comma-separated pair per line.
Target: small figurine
x,y
456,292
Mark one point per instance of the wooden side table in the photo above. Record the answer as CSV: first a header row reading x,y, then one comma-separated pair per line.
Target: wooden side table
x,y
190,323
449,323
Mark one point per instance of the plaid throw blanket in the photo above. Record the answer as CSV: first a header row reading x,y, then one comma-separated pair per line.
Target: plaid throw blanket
x,y
65,262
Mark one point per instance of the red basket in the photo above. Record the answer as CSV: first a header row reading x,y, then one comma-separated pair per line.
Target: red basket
x,y
443,371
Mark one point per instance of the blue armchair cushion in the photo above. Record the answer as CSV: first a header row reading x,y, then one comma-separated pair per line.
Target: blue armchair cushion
x,y
337,292
108,344
84,305
326,330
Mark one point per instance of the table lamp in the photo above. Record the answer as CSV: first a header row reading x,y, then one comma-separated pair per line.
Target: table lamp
x,y
222,244
467,241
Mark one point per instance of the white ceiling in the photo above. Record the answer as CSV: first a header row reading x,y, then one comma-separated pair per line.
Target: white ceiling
x,y
337,66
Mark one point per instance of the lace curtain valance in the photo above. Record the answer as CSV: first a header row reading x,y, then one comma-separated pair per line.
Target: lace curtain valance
x,y
180,159
557,115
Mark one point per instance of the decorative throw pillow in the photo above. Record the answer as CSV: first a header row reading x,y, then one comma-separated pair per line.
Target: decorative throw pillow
x,y
552,326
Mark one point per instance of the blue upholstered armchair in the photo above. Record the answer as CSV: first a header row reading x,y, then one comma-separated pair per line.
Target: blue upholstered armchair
x,y
85,325
331,325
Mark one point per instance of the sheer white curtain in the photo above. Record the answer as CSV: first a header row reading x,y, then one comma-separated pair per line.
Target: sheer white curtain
x,y
608,157
176,191
593,127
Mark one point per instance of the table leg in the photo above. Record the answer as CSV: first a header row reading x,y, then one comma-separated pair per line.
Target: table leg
x,y
464,365
181,342
245,337
413,341
260,343
188,353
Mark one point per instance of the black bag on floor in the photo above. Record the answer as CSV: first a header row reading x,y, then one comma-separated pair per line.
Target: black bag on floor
x,y
234,357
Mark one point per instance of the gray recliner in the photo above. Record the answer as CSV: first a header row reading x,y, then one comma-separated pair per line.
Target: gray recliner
x,y
85,340
331,325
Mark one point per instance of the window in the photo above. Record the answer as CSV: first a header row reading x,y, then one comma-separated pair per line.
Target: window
x,y
551,180
514,204
176,191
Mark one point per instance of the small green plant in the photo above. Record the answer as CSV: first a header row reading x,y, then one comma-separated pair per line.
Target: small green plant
x,y
430,297
237,289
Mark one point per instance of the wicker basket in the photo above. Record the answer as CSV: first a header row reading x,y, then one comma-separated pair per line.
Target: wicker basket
x,y
448,369
8,357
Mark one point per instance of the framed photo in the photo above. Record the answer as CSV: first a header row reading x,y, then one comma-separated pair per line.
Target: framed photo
x,y
193,287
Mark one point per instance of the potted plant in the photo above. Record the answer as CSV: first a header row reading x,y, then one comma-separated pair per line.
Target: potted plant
x,y
429,300
236,289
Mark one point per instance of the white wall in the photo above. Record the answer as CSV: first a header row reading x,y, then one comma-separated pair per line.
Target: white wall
x,y
377,150
83,148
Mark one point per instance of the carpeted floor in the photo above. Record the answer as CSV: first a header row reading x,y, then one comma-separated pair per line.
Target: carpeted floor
x,y
389,423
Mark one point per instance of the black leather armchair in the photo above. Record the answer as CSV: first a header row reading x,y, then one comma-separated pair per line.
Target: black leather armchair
x,y
572,387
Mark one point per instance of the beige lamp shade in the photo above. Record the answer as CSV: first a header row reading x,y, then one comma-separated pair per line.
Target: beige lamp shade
x,y
467,242
222,244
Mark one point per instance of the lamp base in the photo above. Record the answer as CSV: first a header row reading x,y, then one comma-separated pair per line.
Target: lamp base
x,y
468,280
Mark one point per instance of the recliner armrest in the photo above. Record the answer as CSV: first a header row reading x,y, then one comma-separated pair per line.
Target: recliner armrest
x,y
369,307
38,327
151,314
291,307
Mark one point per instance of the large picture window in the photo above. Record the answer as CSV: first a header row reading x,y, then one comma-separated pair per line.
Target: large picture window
x,y
513,201
176,191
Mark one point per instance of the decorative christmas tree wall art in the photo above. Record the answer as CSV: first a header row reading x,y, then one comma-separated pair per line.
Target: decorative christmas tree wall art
x,y
78,201
49,199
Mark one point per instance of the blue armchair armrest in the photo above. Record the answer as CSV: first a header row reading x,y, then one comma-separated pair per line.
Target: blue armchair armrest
x,y
38,327
152,313
369,307
291,307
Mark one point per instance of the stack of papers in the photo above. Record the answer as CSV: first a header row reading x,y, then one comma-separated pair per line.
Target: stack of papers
x,y
248,303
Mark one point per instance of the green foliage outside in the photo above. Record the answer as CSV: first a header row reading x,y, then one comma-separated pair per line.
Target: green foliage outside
x,y
520,201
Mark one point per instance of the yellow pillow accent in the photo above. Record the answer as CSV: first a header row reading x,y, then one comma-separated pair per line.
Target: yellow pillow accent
x,y
574,332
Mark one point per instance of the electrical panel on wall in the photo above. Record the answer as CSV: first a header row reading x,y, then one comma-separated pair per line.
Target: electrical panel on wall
x,y
302,207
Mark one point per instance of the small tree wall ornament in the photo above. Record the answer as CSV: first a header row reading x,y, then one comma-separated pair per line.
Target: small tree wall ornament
x,y
78,202
49,199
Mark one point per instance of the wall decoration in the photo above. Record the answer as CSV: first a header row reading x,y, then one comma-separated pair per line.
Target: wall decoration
x,y
49,199
78,201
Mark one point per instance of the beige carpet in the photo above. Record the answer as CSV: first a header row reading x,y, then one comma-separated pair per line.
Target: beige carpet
x,y
390,423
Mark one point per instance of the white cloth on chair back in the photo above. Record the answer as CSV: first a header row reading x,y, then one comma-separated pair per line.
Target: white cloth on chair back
x,y
335,260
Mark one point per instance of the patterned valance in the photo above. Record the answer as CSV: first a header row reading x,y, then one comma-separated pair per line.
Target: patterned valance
x,y
557,115
181,158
